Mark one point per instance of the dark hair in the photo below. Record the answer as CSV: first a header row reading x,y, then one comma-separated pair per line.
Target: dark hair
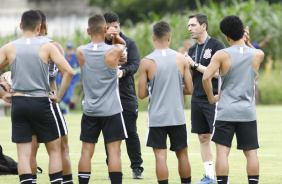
x,y
96,24
161,29
232,27
201,18
30,19
43,16
111,17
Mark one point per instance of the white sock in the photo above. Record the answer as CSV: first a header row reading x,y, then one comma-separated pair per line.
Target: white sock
x,y
209,169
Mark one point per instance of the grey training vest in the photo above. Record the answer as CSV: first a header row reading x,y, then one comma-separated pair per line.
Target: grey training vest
x,y
100,82
29,72
53,69
166,105
237,101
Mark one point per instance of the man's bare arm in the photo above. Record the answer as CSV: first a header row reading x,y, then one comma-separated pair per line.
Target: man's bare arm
x,y
143,78
208,75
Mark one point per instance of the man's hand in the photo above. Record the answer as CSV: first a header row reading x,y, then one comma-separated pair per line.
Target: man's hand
x,y
215,98
112,32
7,97
123,59
120,73
189,60
55,99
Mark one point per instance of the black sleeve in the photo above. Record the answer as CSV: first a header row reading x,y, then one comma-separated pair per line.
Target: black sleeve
x,y
220,45
133,59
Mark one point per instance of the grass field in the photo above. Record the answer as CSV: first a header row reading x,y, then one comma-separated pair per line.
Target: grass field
x,y
270,153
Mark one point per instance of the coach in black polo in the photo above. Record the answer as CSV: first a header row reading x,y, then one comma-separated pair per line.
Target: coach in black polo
x,y
129,64
202,113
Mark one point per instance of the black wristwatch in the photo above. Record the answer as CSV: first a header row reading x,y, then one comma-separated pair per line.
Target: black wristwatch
x,y
196,65
123,72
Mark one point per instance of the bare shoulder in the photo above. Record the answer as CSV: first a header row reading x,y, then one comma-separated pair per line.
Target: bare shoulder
x,y
8,47
58,46
259,53
180,57
146,62
220,55
79,51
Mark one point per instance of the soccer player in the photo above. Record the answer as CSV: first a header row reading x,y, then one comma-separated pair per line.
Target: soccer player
x,y
161,75
101,104
53,71
129,65
32,108
236,112
202,113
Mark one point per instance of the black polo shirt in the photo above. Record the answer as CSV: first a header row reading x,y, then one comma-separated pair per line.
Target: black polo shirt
x,y
213,45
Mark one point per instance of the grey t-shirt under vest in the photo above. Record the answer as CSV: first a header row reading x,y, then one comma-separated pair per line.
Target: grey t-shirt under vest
x,y
29,72
100,82
166,105
237,101
53,69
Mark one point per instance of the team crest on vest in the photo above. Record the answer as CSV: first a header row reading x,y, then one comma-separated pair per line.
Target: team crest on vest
x,y
207,53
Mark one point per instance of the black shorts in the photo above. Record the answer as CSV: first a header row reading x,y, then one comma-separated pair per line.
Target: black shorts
x,y
178,135
246,134
113,128
61,120
33,114
202,117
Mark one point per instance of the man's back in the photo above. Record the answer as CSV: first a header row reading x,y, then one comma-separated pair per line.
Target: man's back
x,y
166,107
237,101
28,60
100,82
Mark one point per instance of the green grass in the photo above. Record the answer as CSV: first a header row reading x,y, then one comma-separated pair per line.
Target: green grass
x,y
270,153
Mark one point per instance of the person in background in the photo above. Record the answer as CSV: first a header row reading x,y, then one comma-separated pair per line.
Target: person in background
x,y
185,47
71,58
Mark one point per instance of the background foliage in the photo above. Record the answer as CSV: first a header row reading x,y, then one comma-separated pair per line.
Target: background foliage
x,y
262,18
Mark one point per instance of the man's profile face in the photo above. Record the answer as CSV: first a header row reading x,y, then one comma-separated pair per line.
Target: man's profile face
x,y
116,25
195,28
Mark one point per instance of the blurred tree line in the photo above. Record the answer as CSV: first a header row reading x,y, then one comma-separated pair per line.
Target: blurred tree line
x,y
137,10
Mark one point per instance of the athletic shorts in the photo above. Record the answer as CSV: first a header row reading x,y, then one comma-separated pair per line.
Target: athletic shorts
x,y
246,134
113,128
61,120
178,135
202,117
33,114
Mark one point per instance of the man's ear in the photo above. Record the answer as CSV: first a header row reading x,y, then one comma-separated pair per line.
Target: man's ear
x,y
88,31
21,26
153,37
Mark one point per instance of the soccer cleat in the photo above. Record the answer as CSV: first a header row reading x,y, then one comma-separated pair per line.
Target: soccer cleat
x,y
137,173
206,180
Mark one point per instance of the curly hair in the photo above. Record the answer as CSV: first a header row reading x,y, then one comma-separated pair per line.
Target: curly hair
x,y
232,27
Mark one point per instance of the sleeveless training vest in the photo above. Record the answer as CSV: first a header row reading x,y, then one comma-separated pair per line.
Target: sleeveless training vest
x,y
29,72
100,82
166,105
237,101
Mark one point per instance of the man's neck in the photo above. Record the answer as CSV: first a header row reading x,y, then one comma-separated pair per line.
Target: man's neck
x,y
203,38
42,34
97,38
240,42
161,45
29,34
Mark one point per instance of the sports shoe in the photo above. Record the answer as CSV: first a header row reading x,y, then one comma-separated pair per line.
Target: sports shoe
x,y
108,178
206,180
137,173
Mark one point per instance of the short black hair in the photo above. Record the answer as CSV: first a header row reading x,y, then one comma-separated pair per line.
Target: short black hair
x,y
161,29
96,24
43,16
111,17
201,18
30,19
232,27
